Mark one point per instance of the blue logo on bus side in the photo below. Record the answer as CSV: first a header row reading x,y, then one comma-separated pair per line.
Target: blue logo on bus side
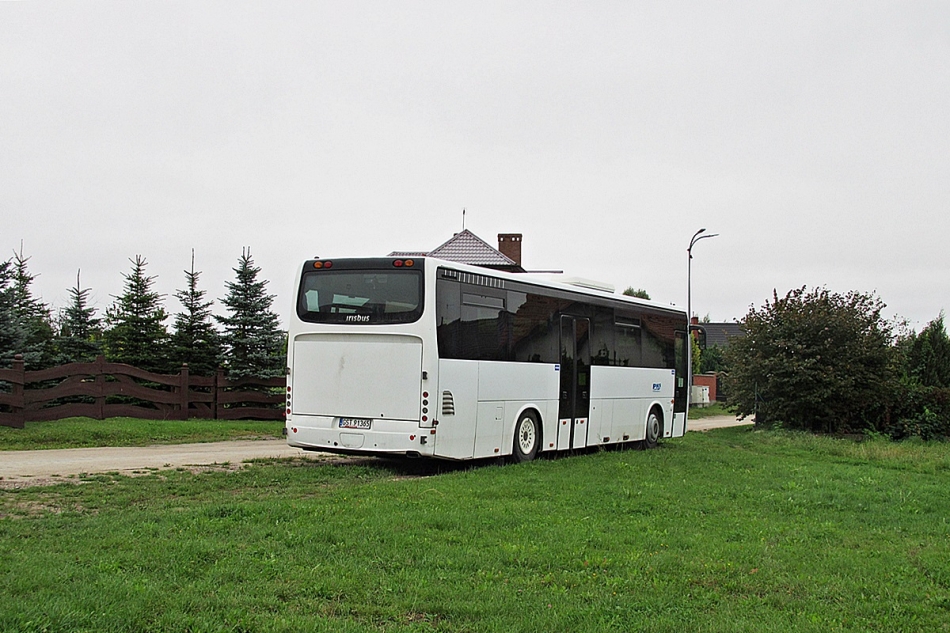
x,y
657,386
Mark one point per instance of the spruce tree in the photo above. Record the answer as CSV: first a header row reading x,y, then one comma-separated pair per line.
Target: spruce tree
x,y
254,344
34,322
929,355
135,332
11,332
80,334
195,340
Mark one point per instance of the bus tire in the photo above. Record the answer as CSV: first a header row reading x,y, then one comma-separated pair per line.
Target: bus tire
x,y
654,429
527,438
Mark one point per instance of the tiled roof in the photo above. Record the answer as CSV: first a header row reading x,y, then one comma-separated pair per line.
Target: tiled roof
x,y
720,333
465,248
468,248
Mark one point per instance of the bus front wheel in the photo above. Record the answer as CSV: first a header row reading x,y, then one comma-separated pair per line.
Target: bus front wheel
x,y
654,429
527,438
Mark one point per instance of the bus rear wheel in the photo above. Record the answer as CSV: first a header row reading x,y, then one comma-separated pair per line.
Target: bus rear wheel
x,y
527,438
654,429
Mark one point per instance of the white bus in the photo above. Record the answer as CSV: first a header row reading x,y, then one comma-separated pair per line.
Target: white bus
x,y
429,358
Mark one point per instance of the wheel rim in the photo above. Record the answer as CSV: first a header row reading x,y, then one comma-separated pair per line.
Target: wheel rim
x,y
526,435
653,428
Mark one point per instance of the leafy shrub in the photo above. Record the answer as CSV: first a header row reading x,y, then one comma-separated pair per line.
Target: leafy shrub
x,y
815,361
922,412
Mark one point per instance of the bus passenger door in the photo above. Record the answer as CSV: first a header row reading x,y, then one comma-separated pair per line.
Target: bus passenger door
x,y
574,405
681,386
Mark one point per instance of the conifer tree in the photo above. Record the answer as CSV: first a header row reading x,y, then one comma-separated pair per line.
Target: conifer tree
x,y
929,355
11,333
636,292
80,332
135,332
254,344
34,322
195,340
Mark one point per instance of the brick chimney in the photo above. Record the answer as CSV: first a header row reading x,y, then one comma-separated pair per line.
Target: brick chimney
x,y
509,244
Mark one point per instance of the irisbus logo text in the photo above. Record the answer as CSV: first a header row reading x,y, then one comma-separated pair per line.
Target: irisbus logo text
x,y
357,318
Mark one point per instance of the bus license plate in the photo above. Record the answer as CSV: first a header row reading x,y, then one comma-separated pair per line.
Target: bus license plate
x,y
356,423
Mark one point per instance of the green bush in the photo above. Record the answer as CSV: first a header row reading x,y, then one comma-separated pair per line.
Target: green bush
x,y
815,361
922,412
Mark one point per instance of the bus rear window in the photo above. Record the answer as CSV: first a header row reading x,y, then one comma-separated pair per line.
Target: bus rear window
x,y
360,296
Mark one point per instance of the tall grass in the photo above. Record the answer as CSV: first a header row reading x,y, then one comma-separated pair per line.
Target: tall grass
x,y
730,530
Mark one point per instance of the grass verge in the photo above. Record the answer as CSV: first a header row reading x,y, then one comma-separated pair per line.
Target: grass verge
x,y
730,530
715,409
86,432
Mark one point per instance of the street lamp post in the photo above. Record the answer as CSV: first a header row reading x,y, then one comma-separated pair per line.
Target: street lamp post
x,y
689,313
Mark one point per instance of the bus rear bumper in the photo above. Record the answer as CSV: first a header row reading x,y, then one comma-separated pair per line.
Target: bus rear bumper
x,y
390,437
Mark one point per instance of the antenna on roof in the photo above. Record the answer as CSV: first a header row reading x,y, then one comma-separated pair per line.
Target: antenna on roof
x,y
463,218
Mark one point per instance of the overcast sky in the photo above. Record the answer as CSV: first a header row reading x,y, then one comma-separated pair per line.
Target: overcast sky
x,y
814,137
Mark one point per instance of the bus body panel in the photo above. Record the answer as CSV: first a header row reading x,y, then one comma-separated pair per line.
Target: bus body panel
x,y
509,381
620,416
514,387
319,432
497,393
489,428
458,384
344,375
679,425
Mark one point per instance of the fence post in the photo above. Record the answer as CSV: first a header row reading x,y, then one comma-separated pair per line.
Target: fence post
x,y
218,388
183,394
18,391
100,388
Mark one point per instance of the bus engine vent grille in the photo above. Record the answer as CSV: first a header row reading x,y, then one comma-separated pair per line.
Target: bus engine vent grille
x,y
448,403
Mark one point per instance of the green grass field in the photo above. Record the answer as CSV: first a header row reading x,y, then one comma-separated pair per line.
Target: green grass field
x,y
86,432
730,530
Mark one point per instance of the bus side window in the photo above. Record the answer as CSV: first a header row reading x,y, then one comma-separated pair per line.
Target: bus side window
x,y
534,327
484,333
627,333
658,348
602,337
448,318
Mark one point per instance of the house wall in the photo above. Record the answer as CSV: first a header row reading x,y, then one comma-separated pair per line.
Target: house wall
x,y
707,380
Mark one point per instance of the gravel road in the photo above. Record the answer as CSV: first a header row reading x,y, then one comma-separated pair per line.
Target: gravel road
x,y
716,422
30,468
19,468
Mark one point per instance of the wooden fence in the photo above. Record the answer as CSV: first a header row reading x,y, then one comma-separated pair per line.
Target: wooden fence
x,y
103,390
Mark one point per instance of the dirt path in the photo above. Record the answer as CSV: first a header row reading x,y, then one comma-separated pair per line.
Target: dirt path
x,y
31,468
19,468
715,422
